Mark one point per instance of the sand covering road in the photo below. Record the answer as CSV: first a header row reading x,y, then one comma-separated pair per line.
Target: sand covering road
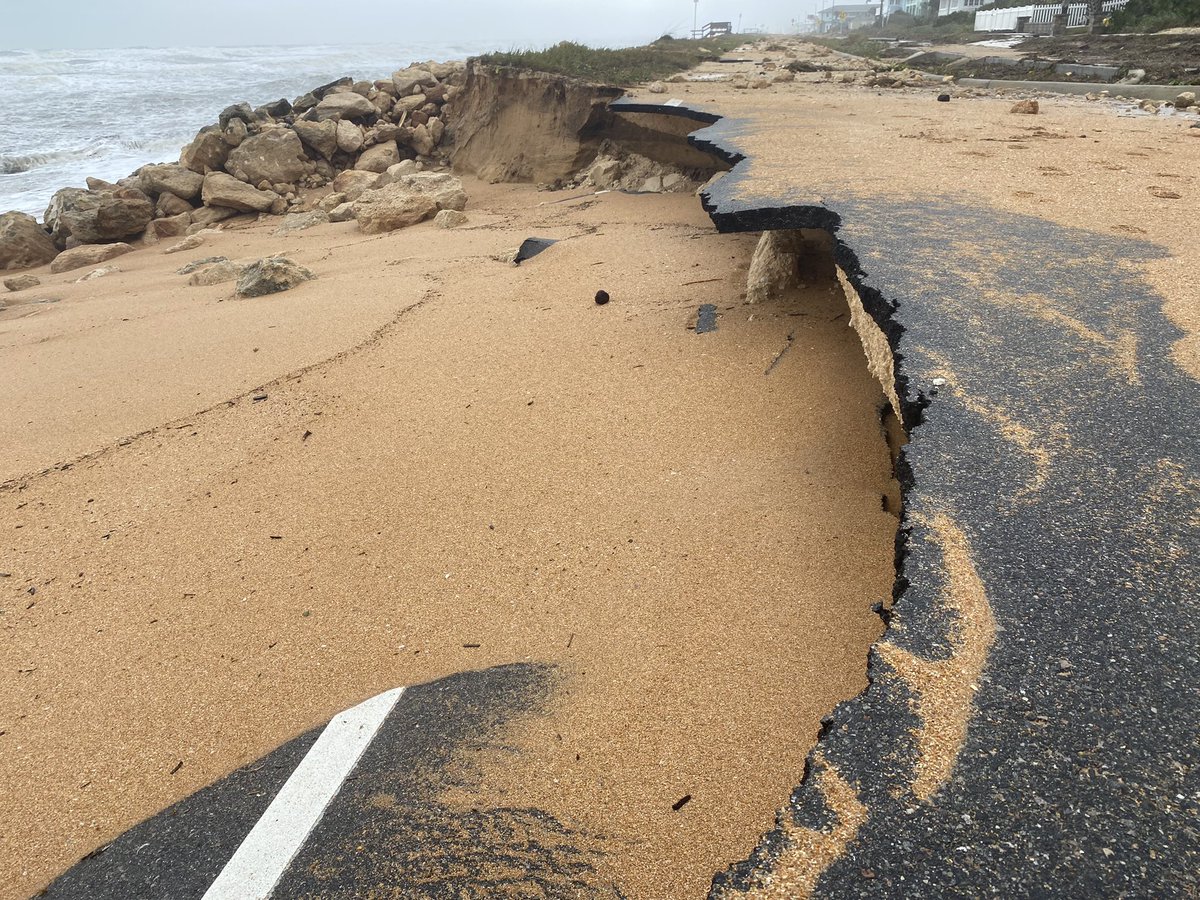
x,y
492,460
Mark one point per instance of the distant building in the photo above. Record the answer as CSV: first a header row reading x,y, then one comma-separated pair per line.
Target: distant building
x,y
845,17
949,7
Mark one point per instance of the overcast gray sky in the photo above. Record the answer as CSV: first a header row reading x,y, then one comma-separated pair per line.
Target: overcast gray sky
x,y
43,24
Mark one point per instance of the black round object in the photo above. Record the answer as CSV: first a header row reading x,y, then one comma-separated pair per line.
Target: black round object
x,y
943,98
601,297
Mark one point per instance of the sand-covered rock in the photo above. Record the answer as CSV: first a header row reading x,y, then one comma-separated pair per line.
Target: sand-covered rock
x,y
21,282
270,276
87,255
98,273
1025,108
171,226
219,272
301,221
225,190
23,243
446,190
343,212
176,179
275,155
92,217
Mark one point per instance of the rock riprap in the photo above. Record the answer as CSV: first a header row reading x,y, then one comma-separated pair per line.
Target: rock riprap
x,y
24,243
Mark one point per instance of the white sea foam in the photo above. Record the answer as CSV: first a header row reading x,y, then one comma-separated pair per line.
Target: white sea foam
x,y
74,113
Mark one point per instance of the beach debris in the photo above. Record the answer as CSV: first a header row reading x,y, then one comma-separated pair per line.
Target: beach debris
x,y
270,276
656,87
943,98
1164,193
98,273
450,218
531,247
1025,108
616,169
22,282
681,802
87,255
706,318
23,242
176,767
601,298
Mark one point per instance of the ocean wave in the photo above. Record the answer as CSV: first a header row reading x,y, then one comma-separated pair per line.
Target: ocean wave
x,y
16,163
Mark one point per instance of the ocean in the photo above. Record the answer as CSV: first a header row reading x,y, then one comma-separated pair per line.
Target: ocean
x,y
69,114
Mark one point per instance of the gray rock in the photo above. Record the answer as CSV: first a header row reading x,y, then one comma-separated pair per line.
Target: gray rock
x,y
87,255
22,282
345,106
1185,100
273,155
343,212
320,136
270,276
206,153
395,173
656,87
237,111
225,190
301,221
411,103
23,242
95,216
197,264
211,215
171,178
235,132
422,141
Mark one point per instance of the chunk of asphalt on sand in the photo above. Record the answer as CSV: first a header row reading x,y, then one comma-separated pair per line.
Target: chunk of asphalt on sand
x,y
531,247
706,318
601,297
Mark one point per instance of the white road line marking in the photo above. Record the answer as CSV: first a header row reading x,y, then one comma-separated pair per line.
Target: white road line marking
x,y
254,870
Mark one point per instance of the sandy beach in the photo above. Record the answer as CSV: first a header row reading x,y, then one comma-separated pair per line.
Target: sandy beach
x,y
227,519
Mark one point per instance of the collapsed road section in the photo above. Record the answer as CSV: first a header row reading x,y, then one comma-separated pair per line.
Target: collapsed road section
x,y
1030,725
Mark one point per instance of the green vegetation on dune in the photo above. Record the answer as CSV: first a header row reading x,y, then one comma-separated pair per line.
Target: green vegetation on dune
x,y
1155,15
629,65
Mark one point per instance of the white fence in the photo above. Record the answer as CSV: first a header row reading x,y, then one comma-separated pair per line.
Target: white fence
x,y
1008,19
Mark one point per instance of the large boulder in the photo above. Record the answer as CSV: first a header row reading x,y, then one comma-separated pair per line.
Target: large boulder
x,y
171,178
378,158
225,190
320,136
406,81
170,205
206,153
445,190
391,207
353,182
93,217
347,105
172,226
23,242
87,255
349,137
275,155
270,276
422,141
